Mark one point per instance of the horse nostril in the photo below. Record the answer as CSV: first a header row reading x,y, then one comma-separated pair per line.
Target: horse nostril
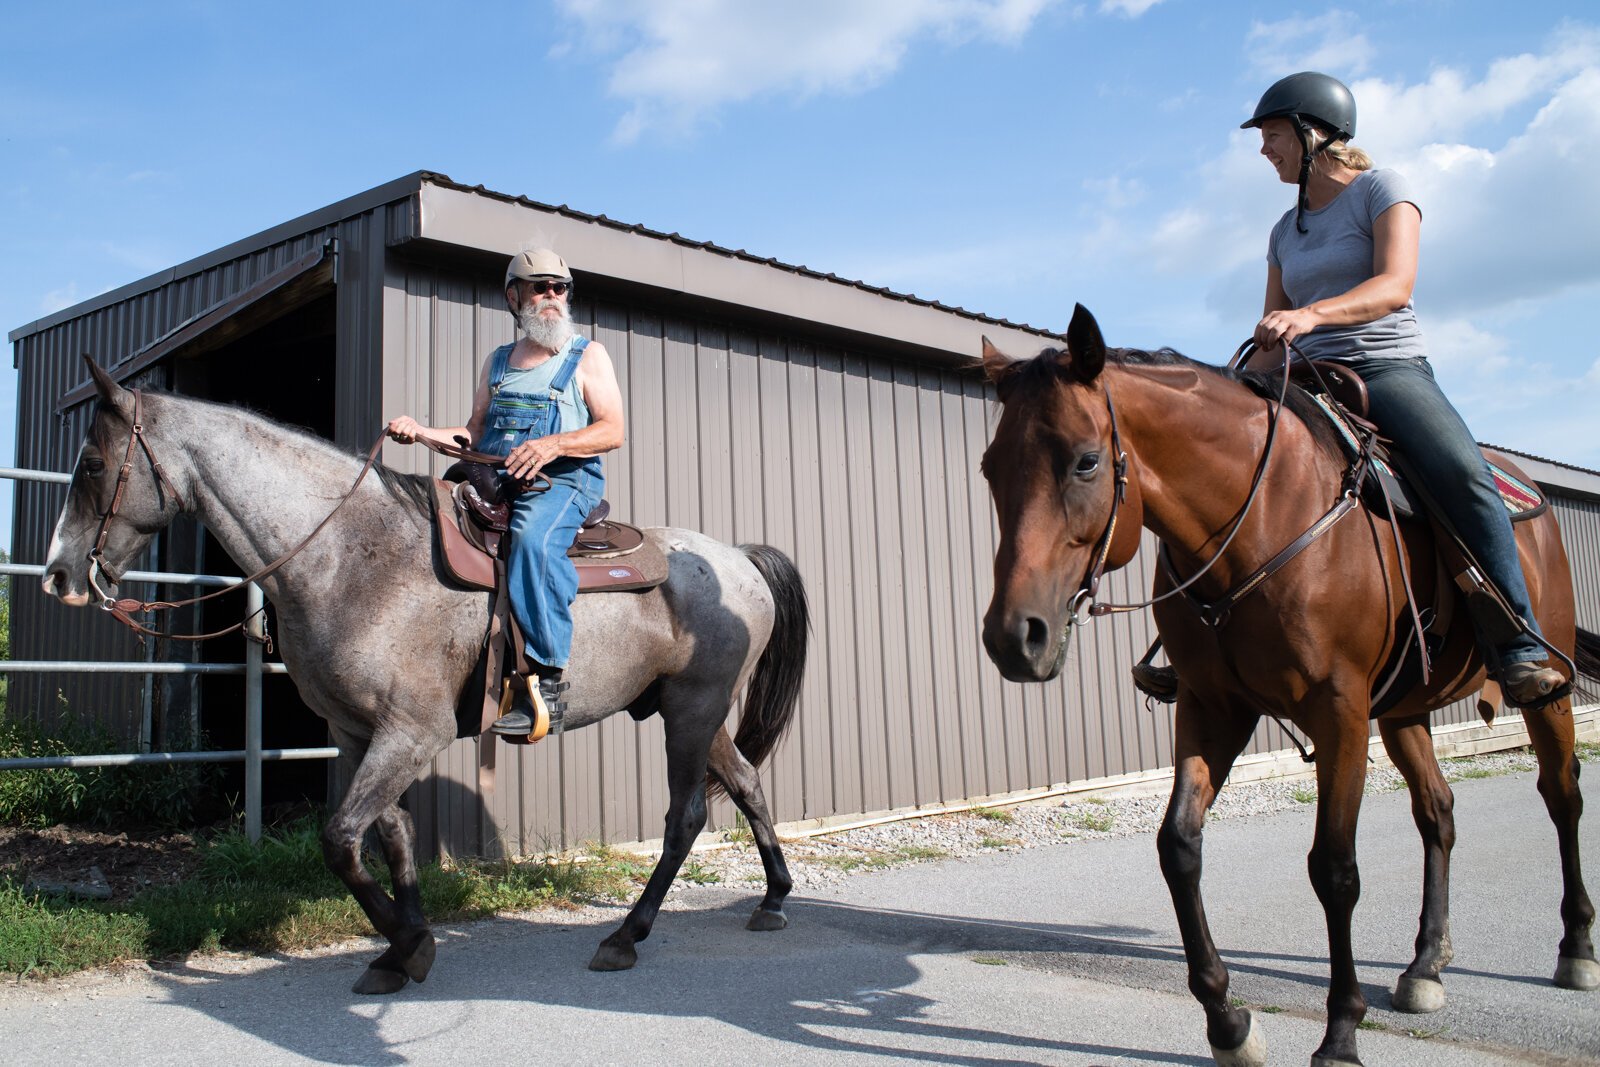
x,y
55,583
1037,638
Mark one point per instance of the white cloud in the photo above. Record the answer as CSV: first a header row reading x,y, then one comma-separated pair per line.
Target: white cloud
x,y
1331,42
679,63
56,299
1129,8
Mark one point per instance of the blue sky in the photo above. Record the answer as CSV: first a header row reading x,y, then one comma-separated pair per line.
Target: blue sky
x,y
1009,156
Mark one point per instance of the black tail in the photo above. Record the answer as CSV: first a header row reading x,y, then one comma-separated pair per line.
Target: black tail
x,y
773,693
1586,657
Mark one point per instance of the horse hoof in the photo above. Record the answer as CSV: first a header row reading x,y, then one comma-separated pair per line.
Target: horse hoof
x,y
378,981
1417,996
1575,973
1324,1061
1252,1053
420,962
762,919
614,958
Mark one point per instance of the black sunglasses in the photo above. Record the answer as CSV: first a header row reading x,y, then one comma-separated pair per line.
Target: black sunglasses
x,y
541,286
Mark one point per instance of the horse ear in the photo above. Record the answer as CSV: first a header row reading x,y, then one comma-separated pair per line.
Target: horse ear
x,y
997,366
112,393
1088,348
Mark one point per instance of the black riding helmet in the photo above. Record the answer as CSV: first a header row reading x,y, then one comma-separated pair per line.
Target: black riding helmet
x,y
1308,99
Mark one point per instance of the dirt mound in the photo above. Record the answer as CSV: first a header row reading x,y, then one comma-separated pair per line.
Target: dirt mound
x,y
66,858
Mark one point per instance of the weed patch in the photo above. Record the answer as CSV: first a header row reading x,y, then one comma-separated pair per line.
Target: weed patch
x,y
273,897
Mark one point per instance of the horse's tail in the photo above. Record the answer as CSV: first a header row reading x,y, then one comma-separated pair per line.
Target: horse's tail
x,y
773,693
1586,656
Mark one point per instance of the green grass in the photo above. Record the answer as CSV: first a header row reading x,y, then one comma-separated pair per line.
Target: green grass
x,y
739,833
1304,794
1588,751
994,815
990,961
998,842
1370,1024
1092,820
877,860
698,873
272,897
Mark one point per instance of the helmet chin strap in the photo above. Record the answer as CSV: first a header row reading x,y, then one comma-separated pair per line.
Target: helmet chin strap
x,y
1307,154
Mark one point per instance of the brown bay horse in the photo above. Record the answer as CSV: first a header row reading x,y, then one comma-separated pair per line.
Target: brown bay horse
x,y
1306,645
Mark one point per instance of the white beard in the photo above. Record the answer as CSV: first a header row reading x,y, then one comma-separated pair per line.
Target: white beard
x,y
543,330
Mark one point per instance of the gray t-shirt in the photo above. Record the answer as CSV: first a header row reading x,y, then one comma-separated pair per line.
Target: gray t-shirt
x,y
1333,257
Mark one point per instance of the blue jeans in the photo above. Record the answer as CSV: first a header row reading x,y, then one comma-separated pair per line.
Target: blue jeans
x,y
542,580
1408,407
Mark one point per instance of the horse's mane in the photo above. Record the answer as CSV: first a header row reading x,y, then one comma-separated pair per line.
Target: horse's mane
x,y
1046,367
410,489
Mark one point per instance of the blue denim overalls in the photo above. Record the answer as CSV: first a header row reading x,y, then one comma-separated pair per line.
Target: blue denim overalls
x,y
542,579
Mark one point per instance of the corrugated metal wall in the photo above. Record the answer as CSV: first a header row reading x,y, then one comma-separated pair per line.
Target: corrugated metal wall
x,y
865,470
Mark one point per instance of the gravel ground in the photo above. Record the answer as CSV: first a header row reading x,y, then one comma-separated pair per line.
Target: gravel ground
x,y
832,857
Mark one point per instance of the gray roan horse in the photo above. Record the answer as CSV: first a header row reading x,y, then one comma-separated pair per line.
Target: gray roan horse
x,y
380,646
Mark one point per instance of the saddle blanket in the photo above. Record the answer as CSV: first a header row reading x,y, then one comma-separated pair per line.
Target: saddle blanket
x,y
1522,498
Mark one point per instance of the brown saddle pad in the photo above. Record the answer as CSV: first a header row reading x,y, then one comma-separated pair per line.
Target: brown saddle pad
x,y
610,556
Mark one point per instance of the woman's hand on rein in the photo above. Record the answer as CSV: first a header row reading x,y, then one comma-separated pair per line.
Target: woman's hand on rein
x,y
1288,324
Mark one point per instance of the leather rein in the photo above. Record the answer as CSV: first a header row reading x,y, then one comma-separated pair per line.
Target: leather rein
x,y
124,609
1215,612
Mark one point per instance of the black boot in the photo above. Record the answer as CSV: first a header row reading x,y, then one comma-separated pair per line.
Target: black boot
x,y
526,707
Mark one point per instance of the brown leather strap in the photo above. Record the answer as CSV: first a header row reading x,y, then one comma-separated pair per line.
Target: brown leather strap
x,y
1215,613
123,609
1274,413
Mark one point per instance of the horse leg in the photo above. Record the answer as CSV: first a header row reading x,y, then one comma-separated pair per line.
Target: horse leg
x,y
1409,743
744,789
1205,749
1341,776
1550,729
688,749
387,766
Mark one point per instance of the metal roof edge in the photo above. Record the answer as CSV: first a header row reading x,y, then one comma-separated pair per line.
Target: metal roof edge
x,y
1580,481
473,217
350,206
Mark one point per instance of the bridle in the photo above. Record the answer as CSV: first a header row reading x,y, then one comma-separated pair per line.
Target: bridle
x,y
123,609
1090,584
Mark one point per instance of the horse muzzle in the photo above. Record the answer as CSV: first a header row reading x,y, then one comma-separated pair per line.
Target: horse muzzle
x,y
57,584
1026,647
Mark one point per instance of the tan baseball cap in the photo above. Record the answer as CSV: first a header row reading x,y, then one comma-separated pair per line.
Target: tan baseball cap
x,y
536,263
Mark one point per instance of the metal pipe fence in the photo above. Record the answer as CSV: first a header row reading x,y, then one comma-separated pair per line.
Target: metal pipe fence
x,y
253,756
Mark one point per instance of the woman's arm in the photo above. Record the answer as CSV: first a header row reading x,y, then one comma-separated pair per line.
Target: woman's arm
x,y
1395,235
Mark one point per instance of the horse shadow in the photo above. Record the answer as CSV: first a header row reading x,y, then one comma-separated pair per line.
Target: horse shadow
x,y
844,978
843,981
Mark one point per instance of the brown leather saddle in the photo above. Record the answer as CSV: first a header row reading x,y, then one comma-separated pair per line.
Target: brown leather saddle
x,y
472,512
472,515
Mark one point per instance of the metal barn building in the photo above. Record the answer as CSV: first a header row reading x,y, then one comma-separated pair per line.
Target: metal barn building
x,y
766,402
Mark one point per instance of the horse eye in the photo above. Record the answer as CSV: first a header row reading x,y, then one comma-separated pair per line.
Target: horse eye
x,y
93,467
1087,464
